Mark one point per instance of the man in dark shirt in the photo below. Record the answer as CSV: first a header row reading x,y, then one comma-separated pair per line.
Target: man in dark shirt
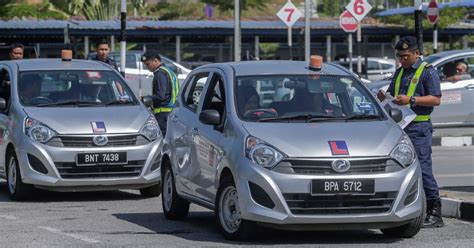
x,y
416,83
17,51
164,88
102,49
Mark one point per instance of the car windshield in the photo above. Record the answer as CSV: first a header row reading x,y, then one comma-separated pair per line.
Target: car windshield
x,y
430,59
73,87
304,98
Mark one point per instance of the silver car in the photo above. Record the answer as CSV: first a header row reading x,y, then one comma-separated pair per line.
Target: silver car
x,y
74,126
327,157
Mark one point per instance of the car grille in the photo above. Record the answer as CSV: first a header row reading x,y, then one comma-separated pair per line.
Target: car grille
x,y
323,166
70,170
306,204
87,141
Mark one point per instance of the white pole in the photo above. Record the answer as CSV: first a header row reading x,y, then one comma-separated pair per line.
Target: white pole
x,y
328,48
307,30
435,39
237,39
349,45
123,35
257,47
178,49
86,46
359,59
112,43
290,43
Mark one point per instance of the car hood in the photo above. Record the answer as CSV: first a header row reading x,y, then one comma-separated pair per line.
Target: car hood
x,y
374,138
117,119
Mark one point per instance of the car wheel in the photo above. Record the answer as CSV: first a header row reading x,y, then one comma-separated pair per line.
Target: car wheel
x,y
152,191
17,190
228,213
408,230
197,94
174,207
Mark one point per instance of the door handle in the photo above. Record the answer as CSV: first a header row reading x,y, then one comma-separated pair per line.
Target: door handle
x,y
469,87
174,118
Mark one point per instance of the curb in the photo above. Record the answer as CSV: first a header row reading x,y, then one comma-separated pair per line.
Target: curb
x,y
453,141
459,209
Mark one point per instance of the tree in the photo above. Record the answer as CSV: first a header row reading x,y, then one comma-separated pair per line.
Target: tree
x,y
331,8
447,16
177,10
40,11
228,5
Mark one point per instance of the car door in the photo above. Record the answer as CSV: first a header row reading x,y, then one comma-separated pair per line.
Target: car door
x,y
457,99
5,121
181,124
207,139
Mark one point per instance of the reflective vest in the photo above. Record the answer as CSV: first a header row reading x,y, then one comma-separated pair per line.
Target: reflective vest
x,y
412,87
174,92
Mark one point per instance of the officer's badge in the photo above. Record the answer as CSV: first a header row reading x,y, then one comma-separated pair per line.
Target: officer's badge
x,y
404,45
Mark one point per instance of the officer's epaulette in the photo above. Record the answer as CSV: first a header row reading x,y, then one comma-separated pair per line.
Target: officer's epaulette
x,y
428,65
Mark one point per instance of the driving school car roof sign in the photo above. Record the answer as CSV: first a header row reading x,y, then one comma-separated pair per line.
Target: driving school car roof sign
x,y
338,147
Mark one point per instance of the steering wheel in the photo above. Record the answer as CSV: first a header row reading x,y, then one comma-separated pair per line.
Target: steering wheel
x,y
261,113
40,100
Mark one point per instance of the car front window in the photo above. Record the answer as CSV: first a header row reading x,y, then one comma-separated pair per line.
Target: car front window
x,y
73,87
320,96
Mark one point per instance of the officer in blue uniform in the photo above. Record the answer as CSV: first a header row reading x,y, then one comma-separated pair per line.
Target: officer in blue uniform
x,y
416,83
164,88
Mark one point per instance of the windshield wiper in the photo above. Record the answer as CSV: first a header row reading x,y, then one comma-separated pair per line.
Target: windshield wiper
x,y
363,117
118,102
72,102
307,117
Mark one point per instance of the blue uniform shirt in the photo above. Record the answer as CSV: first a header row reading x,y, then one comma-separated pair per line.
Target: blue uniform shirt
x,y
428,84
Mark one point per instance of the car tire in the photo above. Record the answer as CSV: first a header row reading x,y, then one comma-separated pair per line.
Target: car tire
x,y
174,207
228,215
152,191
408,230
17,190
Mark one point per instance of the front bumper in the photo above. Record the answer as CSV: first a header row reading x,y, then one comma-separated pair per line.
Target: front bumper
x,y
63,174
285,189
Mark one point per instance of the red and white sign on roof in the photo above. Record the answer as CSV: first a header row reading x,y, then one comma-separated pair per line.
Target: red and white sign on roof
x,y
289,14
348,22
433,12
359,8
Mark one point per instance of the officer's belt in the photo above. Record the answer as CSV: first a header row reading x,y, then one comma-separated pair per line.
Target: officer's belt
x,y
163,110
419,118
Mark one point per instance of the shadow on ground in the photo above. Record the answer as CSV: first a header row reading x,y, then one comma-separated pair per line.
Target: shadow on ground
x,y
39,195
202,226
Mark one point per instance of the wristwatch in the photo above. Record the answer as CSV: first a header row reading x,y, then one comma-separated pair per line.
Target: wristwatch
x,y
412,101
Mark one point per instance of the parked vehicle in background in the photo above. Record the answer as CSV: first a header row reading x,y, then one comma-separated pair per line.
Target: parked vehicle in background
x,y
74,126
378,68
138,76
326,157
457,101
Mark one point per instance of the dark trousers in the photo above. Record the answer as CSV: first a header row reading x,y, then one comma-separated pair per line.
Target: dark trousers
x,y
421,134
162,119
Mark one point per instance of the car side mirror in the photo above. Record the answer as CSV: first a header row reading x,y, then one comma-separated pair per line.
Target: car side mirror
x,y
210,117
3,103
396,114
147,101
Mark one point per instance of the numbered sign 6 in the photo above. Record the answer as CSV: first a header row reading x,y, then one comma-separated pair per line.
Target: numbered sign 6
x,y
359,8
289,14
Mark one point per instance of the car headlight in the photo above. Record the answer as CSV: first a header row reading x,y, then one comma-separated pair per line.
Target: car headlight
x,y
37,131
261,153
151,129
404,152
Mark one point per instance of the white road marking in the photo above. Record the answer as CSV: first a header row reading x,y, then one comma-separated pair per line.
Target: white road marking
x,y
75,236
8,217
456,175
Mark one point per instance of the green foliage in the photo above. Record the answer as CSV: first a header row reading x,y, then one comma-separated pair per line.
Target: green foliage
x,y
176,10
228,5
100,10
39,11
331,8
268,50
447,16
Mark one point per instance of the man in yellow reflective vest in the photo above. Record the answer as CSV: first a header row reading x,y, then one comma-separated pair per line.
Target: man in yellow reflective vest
x,y
164,88
416,84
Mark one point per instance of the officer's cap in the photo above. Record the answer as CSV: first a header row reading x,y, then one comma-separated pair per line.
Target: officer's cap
x,y
407,43
150,55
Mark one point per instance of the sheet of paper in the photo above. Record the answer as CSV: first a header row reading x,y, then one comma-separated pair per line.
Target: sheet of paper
x,y
407,113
